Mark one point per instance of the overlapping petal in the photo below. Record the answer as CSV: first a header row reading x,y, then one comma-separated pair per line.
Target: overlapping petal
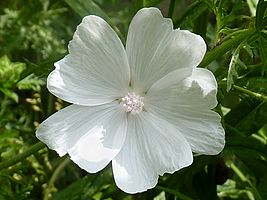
x,y
91,135
96,71
152,147
154,49
160,64
187,106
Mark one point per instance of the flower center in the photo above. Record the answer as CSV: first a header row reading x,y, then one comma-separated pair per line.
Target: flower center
x,y
132,103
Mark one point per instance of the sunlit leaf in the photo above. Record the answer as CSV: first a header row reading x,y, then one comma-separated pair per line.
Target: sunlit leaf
x,y
252,4
10,94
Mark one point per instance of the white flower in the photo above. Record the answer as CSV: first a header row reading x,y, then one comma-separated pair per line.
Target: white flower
x,y
146,108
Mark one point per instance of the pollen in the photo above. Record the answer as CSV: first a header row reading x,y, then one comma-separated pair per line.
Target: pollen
x,y
132,103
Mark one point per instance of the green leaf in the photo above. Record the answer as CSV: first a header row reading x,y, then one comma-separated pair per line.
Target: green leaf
x,y
261,7
31,82
254,121
232,71
250,144
40,69
174,192
88,7
245,105
262,186
229,189
226,46
191,14
10,72
234,66
201,24
5,187
10,94
252,4
145,3
257,84
263,50
86,187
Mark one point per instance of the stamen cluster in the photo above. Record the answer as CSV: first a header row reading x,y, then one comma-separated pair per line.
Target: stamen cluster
x,y
132,103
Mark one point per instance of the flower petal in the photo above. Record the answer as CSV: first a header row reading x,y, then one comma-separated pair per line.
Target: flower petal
x,y
91,135
96,71
154,49
187,106
170,79
152,147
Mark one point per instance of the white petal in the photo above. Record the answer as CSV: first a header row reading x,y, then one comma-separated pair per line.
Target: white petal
x,y
169,80
154,49
91,135
187,106
206,80
96,71
152,147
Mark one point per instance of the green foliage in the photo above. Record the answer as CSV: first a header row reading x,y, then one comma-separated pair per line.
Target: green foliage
x,y
84,8
10,79
260,16
9,76
35,34
30,26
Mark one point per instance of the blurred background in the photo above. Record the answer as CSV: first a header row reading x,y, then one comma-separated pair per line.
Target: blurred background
x,y
35,33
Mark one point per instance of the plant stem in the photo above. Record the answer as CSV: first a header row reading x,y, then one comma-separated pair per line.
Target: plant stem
x,y
31,150
243,178
171,8
253,94
50,104
50,187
